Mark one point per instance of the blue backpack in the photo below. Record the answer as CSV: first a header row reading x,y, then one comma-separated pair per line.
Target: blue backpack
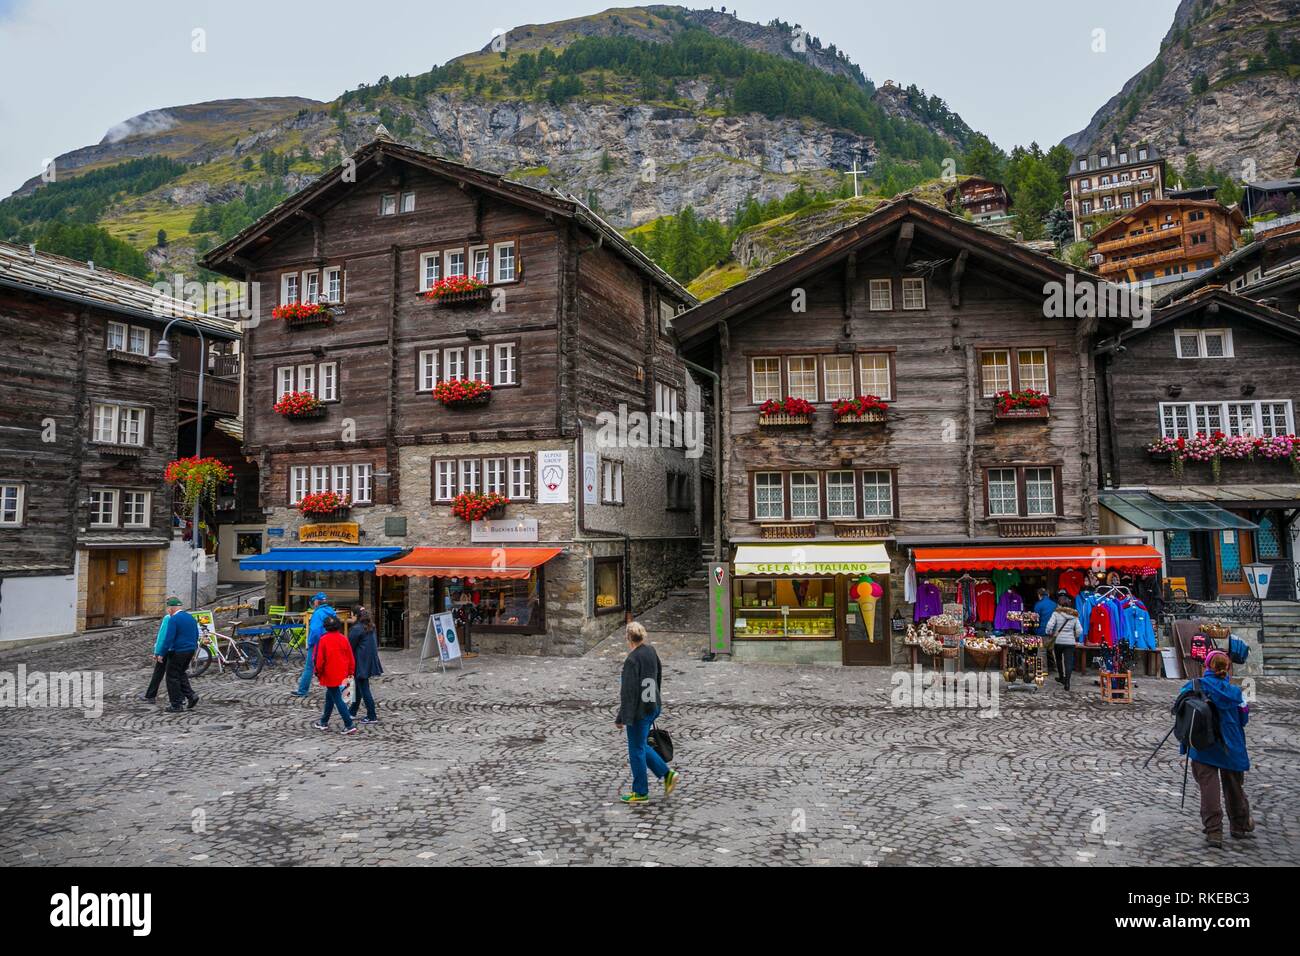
x,y
1238,650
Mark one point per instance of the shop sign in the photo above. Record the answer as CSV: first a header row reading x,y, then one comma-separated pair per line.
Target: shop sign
x,y
719,610
813,568
590,470
440,632
275,532
553,477
344,532
503,529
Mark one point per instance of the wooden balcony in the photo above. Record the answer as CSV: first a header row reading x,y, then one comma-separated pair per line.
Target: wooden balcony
x,y
1165,256
220,395
1129,242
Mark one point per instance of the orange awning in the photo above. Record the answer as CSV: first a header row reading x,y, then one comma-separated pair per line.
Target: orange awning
x,y
1107,557
513,563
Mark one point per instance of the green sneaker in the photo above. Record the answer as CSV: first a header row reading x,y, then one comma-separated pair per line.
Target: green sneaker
x,y
635,798
670,781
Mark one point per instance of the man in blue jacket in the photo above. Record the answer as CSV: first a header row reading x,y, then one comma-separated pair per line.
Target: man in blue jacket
x,y
321,612
178,645
1225,764
170,607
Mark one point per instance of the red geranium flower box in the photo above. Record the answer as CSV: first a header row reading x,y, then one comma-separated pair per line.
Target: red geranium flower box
x,y
325,503
460,393
788,411
294,405
298,314
473,506
1026,403
861,410
456,289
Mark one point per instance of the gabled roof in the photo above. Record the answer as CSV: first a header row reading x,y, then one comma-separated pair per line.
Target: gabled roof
x,y
1215,298
1151,205
1094,158
987,249
43,273
1231,261
555,203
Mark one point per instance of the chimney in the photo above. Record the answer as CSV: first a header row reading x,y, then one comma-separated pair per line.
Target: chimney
x,y
90,264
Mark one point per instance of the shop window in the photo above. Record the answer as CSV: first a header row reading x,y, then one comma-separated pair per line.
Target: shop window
x,y
784,608
342,589
248,543
608,581
496,605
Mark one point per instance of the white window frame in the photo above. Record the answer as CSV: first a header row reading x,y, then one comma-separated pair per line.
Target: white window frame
x,y
327,381
913,293
341,479
299,483
834,504
1201,343
468,475
444,479
841,388
388,204
426,371
1051,492
880,295
290,288
760,385
307,379
112,497
478,365
407,203
128,415
760,485
494,476
799,510
320,479
611,481
871,478
363,484
520,472
985,389
19,494
1197,417
1015,493
284,381
116,327
887,394
505,364
427,279
130,345
311,287
447,260
333,285
497,271
808,378
1046,387
483,275
453,371
144,521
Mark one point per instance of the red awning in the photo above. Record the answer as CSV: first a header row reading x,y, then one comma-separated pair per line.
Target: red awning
x,y
1109,557
514,563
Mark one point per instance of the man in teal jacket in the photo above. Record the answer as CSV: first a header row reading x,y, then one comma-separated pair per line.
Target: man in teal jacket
x,y
321,612
170,607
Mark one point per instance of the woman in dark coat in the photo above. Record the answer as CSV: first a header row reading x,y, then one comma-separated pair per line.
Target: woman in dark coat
x,y
365,648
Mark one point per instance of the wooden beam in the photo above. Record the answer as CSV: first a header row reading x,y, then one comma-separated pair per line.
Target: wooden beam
x,y
906,232
958,269
850,291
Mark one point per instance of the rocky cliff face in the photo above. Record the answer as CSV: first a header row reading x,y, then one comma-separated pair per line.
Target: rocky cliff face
x,y
1242,118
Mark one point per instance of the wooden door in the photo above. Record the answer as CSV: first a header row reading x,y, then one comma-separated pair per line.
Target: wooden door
x,y
1233,550
863,626
113,588
97,591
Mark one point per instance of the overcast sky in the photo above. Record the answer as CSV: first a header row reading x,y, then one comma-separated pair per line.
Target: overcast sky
x,y
1019,70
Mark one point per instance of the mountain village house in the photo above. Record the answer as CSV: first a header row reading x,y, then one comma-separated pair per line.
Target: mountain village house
x,y
90,422
441,332
985,201
899,409
1103,185
1166,239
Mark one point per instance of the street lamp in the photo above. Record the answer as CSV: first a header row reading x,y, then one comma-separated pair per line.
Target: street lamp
x,y
1259,576
164,356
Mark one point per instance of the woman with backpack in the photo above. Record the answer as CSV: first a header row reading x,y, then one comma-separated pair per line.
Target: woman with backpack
x,y
365,650
1064,633
1220,770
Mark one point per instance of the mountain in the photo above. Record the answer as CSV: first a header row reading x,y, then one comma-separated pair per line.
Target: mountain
x,y
640,111
1224,87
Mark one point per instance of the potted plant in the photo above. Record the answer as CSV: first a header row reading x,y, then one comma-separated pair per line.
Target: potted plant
x,y
295,405
861,410
1025,403
787,412
325,504
462,393
475,506
198,480
455,290
297,314
1171,448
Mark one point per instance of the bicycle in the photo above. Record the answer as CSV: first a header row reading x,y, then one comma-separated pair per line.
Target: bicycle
x,y
244,658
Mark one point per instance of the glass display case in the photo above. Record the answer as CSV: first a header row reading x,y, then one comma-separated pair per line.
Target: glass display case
x,y
784,608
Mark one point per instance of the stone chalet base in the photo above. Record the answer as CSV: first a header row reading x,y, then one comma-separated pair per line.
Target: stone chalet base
x,y
787,652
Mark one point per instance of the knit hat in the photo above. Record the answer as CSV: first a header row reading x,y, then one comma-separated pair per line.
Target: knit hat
x,y
174,602
320,596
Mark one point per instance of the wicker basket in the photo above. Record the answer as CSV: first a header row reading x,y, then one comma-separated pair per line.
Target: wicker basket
x,y
982,659
1216,631
950,653
947,630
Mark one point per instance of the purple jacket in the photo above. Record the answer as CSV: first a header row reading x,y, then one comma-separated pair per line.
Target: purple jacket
x,y
929,601
1010,601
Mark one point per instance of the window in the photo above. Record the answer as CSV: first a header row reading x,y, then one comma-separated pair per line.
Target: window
x,y
329,382
608,591
1087,205
873,369
1209,417
482,259
805,495
801,371
451,476
765,379
428,370
103,508
1263,419
611,482
913,294
469,471
289,288
1083,165
1032,367
1086,185
334,284
11,504
877,494
444,481
408,202
354,481
1123,157
480,363
341,480
298,486
1268,546
769,496
837,374
118,425
882,295
124,338
312,286
1274,419
1142,155
995,368
494,476
388,205
116,337
505,262
320,478
1175,421
665,401
841,495
362,484
430,270
1002,493
135,509
1180,545
455,261
507,369
1040,492
453,365
321,380
1105,161
521,474
1203,343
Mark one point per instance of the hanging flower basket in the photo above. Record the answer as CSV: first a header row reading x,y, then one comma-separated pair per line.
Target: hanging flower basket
x,y
299,405
197,479
462,393
325,504
1217,446
457,290
1026,403
300,314
473,506
863,410
789,412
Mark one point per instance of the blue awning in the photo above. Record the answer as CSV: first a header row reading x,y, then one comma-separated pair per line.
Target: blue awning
x,y
343,558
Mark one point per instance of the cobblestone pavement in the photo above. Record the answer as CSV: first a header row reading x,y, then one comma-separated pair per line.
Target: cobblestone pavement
x,y
515,761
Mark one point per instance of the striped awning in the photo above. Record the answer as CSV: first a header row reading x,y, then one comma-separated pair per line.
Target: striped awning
x,y
494,563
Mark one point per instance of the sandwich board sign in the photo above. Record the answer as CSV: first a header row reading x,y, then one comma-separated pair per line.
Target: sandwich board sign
x,y
441,632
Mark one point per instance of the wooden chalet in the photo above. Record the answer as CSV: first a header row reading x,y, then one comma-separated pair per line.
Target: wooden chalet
x,y
564,320
982,199
935,318
1166,239
90,422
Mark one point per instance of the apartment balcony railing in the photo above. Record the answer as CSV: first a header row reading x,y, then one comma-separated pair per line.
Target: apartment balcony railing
x,y
1128,242
1135,262
220,395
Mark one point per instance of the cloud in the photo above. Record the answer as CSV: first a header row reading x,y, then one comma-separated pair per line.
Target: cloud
x,y
154,121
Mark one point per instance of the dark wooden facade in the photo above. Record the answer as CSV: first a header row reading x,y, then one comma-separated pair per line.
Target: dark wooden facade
x,y
1146,390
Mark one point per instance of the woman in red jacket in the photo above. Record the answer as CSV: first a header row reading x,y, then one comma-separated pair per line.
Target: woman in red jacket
x,y
334,665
